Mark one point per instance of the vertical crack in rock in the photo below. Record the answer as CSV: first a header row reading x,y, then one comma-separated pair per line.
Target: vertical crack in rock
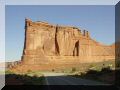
x,y
56,43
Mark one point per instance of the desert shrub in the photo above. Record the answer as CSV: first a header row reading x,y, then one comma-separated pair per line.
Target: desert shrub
x,y
117,64
29,71
53,70
103,65
106,69
8,72
82,74
36,75
73,69
91,66
26,77
63,71
92,72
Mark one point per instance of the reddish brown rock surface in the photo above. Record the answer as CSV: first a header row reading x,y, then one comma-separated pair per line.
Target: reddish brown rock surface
x,y
47,44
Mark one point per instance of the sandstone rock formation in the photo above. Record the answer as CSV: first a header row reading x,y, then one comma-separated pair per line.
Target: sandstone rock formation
x,y
49,47
46,43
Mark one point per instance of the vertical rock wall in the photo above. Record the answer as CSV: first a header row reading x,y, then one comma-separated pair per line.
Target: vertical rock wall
x,y
46,43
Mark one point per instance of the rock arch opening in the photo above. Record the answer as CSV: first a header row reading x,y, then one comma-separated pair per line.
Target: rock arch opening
x,y
76,49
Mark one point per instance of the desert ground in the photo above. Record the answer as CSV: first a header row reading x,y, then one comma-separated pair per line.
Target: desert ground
x,y
102,73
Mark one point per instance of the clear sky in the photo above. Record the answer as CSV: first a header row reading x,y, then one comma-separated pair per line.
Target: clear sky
x,y
98,20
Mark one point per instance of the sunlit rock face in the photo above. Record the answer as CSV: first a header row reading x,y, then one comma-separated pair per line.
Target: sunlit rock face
x,y
46,43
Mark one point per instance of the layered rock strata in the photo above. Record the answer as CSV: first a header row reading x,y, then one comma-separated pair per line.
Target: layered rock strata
x,y
46,44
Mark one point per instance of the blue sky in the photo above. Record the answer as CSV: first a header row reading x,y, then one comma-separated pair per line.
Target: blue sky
x,y
98,20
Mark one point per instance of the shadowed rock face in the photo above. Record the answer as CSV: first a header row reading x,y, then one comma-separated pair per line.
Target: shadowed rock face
x,y
46,43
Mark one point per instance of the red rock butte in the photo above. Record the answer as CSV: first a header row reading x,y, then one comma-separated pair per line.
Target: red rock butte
x,y
47,44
